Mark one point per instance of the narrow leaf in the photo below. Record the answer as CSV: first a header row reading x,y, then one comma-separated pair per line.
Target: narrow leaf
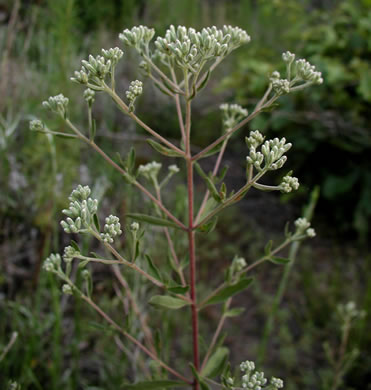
x,y
204,81
212,151
163,90
150,385
75,245
279,260
152,220
208,226
178,289
131,161
222,174
229,291
203,384
163,149
167,301
215,364
93,130
268,248
152,269
96,222
234,312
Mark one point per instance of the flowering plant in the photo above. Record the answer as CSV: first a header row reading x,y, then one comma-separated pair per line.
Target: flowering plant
x,y
180,65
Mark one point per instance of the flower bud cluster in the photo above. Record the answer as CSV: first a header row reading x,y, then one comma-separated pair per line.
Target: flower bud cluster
x,y
112,228
303,228
114,55
232,114
89,96
69,254
173,169
67,289
36,125
53,263
189,48
254,139
280,86
134,227
81,210
288,184
255,380
288,57
138,37
238,264
349,311
135,90
307,72
272,153
57,104
150,171
95,69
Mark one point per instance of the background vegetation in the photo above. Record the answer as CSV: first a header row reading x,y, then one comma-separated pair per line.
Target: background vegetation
x,y
59,345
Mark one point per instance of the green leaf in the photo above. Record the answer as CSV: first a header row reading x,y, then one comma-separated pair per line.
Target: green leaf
x,y
152,220
203,384
222,174
204,81
216,363
96,222
75,245
162,89
92,130
270,108
234,312
167,301
152,269
268,248
212,151
279,260
163,149
60,135
210,185
229,291
157,384
120,161
208,226
179,289
130,161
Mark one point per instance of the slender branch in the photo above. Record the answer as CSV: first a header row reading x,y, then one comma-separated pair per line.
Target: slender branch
x,y
133,339
264,98
216,334
161,85
234,129
7,348
142,320
126,110
171,244
163,75
236,197
124,173
132,357
135,267
215,171
246,269
178,108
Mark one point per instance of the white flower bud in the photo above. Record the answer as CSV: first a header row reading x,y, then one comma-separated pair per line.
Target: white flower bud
x,y
66,288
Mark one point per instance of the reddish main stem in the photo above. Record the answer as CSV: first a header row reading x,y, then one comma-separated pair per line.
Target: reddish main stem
x,y
191,238
192,260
